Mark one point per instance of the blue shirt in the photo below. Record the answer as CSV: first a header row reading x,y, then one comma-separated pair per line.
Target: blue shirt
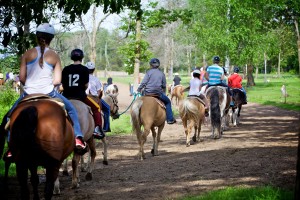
x,y
215,73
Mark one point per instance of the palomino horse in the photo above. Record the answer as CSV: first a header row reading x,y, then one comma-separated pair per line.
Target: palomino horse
x,y
192,114
218,110
238,98
87,127
177,93
147,112
112,101
40,135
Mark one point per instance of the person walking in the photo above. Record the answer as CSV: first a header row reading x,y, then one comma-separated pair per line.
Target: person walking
x,y
154,82
75,79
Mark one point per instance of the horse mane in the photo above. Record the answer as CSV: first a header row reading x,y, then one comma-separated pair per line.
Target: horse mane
x,y
25,138
215,108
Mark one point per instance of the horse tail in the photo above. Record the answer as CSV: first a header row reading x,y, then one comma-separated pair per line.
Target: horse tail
x,y
135,116
23,130
215,111
189,110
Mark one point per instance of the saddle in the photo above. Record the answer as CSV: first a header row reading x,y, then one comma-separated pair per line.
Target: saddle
x,y
156,97
197,98
36,97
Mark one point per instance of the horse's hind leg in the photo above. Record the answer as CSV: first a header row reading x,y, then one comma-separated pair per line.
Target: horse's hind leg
x,y
104,141
91,162
34,179
51,176
75,174
22,174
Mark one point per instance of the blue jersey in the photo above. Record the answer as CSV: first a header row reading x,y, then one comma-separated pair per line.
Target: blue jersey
x,y
215,73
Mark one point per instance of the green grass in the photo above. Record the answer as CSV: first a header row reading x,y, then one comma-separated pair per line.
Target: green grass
x,y
121,126
241,193
268,93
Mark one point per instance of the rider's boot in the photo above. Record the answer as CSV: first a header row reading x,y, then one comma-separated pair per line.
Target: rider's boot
x,y
99,133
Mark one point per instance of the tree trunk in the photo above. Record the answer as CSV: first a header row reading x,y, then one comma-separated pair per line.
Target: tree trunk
x,y
170,75
250,79
278,68
298,42
137,58
265,59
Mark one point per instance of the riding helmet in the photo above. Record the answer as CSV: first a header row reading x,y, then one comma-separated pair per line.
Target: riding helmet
x,y
77,54
154,62
216,59
236,70
46,28
90,65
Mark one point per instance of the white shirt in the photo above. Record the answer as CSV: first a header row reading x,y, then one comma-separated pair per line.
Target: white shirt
x,y
94,86
195,84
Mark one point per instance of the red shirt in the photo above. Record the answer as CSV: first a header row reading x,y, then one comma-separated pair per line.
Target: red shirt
x,y
235,81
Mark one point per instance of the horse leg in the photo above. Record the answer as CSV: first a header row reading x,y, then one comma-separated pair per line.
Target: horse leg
x,y
189,131
34,179
186,131
56,189
154,146
104,141
91,162
51,176
194,138
75,174
143,139
22,174
65,167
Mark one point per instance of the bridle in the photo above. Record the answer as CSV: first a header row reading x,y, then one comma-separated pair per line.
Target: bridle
x,y
114,115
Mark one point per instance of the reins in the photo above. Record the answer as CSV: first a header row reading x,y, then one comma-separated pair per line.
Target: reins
x,y
135,95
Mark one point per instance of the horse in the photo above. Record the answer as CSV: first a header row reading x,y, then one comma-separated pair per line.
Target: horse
x,y
112,101
147,112
177,93
238,98
87,127
112,90
218,110
41,135
192,113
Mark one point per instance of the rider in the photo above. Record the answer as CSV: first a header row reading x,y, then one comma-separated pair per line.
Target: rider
x,y
235,81
75,79
176,81
215,76
95,89
40,72
154,83
194,89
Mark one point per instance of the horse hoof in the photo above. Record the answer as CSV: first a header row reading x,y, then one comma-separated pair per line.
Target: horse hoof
x,y
152,151
188,144
75,185
88,176
65,173
194,139
105,162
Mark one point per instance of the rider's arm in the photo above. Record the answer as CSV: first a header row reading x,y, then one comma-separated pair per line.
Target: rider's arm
x,y
57,72
23,69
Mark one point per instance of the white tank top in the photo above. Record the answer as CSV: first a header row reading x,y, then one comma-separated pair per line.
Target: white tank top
x,y
39,79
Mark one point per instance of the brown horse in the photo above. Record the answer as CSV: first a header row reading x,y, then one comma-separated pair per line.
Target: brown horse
x,y
192,114
40,135
147,112
177,93
87,127
218,110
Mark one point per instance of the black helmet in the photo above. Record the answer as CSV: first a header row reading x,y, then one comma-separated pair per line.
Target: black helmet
x,y
77,54
236,70
216,59
154,62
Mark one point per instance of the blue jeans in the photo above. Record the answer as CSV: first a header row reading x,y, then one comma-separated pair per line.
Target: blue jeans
x,y
106,111
168,105
68,105
244,93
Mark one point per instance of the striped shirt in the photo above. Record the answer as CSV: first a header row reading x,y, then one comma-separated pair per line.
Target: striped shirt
x,y
215,73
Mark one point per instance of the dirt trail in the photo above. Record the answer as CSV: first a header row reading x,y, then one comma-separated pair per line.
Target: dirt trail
x,y
261,151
